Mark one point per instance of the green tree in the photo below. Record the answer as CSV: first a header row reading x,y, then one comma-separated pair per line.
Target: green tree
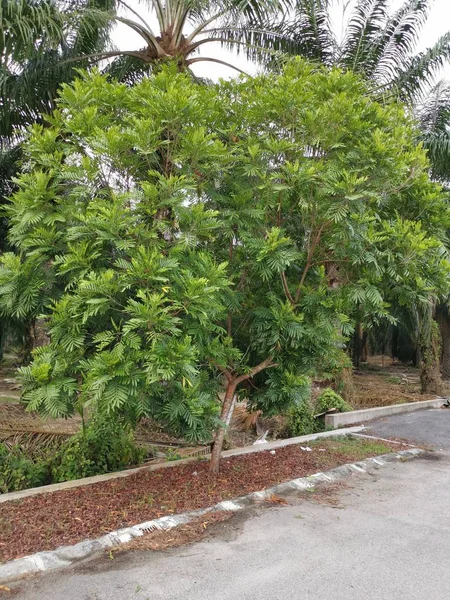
x,y
43,43
185,240
38,39
380,44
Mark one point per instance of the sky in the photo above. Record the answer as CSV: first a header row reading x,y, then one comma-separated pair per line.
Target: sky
x,y
438,23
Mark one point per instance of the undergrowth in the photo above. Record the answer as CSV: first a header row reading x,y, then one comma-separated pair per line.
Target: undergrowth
x,y
103,446
302,419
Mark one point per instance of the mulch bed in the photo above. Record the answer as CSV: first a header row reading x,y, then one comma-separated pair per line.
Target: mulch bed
x,y
48,521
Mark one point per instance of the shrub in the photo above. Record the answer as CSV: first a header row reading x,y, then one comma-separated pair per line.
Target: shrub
x,y
302,421
19,472
330,399
103,446
301,418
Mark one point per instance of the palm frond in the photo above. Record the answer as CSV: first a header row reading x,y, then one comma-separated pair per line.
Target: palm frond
x,y
419,74
363,30
399,39
310,32
434,119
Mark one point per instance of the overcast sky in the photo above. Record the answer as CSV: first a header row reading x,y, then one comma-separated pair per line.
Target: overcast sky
x,y
438,23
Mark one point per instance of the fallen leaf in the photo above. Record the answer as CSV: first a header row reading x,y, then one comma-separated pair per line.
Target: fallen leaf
x,y
277,500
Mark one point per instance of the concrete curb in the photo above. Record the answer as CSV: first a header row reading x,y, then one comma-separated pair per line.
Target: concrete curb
x,y
65,556
368,414
67,485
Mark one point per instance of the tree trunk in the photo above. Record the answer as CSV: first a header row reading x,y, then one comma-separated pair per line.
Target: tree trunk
x,y
228,406
25,352
359,350
430,355
2,337
225,414
443,320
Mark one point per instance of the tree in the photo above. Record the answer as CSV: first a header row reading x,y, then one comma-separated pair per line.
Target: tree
x,y
38,39
45,42
185,26
184,239
377,42
380,44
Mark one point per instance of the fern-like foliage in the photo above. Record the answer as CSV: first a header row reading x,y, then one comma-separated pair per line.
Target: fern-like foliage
x,y
182,239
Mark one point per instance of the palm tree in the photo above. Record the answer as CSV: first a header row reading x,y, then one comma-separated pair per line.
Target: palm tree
x,y
376,42
186,26
39,37
434,119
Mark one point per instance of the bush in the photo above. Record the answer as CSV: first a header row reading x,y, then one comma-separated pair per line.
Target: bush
x,y
330,399
301,418
19,472
302,421
102,447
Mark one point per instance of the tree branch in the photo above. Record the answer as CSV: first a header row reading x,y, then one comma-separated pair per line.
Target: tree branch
x,y
309,257
265,364
286,288
223,370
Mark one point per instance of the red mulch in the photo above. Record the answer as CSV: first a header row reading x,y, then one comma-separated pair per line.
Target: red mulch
x,y
51,520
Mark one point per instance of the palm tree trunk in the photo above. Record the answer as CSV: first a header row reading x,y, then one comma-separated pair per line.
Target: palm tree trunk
x,y
359,350
2,337
443,320
430,356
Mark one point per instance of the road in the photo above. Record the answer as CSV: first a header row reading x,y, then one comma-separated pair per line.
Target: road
x,y
430,427
387,538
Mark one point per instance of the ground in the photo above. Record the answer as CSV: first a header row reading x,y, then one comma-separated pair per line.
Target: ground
x,y
47,521
381,536
378,536
382,381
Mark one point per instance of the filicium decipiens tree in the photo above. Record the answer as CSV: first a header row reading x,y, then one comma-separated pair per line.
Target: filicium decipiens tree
x,y
187,241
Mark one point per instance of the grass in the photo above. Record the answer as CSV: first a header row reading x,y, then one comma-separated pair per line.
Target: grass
x,y
393,379
355,449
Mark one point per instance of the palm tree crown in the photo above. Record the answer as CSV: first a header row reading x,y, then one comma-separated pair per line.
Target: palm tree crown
x,y
184,26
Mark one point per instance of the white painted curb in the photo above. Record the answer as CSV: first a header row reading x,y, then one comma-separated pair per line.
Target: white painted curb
x,y
66,556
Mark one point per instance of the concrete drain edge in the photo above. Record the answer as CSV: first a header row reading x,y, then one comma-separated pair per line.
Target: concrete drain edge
x,y
66,556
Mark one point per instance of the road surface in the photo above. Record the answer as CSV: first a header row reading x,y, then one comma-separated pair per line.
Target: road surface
x,y
387,537
430,427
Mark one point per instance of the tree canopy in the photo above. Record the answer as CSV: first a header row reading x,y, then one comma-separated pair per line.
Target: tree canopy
x,y
183,239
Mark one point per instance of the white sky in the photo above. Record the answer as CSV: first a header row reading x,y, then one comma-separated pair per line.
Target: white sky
x,y
438,23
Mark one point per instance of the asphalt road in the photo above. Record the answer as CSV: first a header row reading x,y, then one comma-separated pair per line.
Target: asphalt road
x,y
430,427
387,539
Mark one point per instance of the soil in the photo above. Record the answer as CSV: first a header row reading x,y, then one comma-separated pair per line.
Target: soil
x,y
47,521
379,382
383,382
